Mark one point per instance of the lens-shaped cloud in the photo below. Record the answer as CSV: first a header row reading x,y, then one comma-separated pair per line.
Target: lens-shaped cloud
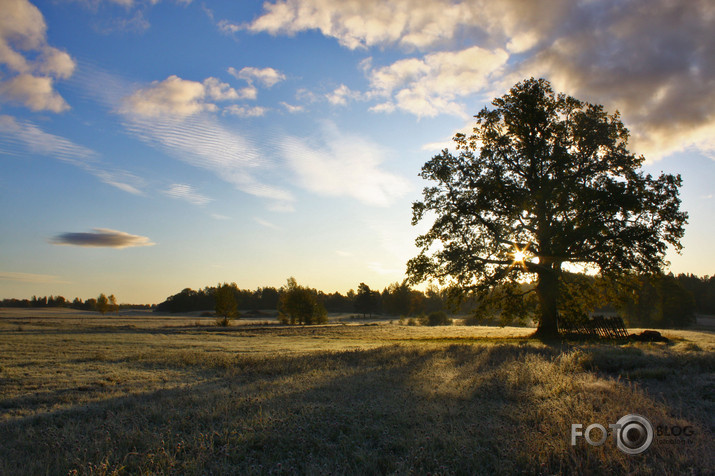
x,y
102,238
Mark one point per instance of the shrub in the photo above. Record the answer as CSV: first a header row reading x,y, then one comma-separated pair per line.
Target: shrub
x,y
438,318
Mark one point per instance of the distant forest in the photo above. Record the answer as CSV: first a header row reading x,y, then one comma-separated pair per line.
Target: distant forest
x,y
664,300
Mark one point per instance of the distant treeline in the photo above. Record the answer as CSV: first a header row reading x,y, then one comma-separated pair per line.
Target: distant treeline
x,y
397,299
662,300
60,301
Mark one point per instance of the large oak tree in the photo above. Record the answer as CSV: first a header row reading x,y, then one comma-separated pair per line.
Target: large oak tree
x,y
544,180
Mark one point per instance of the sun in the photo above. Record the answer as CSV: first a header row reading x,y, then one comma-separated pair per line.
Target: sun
x,y
519,255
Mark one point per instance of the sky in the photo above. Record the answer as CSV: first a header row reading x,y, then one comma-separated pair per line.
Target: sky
x,y
147,146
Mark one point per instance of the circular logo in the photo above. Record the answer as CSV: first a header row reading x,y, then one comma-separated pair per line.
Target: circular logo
x,y
634,435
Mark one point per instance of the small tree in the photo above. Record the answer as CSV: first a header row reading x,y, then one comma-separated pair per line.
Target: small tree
x,y
102,304
113,306
226,306
298,304
365,300
396,299
544,180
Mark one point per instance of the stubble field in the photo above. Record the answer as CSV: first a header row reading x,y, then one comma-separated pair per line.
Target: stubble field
x,y
145,394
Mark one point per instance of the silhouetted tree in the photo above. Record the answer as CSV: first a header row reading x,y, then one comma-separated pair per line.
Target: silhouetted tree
x,y
544,180
365,300
657,300
300,305
113,306
225,296
102,304
336,302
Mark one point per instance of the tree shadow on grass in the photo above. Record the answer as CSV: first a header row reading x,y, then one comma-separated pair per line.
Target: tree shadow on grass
x,y
459,409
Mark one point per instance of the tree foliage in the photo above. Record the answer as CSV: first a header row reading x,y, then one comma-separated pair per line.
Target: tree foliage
x,y
657,300
299,305
544,180
366,300
103,304
225,298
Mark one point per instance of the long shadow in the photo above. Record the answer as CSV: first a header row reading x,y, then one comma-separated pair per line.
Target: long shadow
x,y
393,410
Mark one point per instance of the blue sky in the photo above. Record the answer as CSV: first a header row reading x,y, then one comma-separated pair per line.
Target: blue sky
x,y
148,146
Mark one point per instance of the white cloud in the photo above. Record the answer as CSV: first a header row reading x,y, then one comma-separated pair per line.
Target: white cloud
x,y
35,92
182,191
341,95
364,23
343,165
31,62
650,59
436,83
227,27
244,111
181,97
291,108
268,77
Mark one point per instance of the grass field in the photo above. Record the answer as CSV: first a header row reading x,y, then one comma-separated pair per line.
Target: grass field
x,y
145,394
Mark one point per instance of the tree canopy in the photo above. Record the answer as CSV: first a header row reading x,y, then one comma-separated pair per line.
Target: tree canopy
x,y
226,301
545,179
299,304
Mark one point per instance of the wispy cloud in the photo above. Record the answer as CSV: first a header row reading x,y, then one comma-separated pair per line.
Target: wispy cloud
x,y
379,268
267,224
292,109
202,141
341,164
182,191
31,278
19,136
121,179
194,135
102,237
30,137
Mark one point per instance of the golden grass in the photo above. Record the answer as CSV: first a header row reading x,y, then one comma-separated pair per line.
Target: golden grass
x,y
90,395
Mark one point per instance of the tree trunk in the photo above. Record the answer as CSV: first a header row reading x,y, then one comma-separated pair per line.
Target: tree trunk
x,y
547,290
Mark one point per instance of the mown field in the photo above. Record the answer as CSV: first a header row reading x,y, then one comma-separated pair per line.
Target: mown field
x,y
83,394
